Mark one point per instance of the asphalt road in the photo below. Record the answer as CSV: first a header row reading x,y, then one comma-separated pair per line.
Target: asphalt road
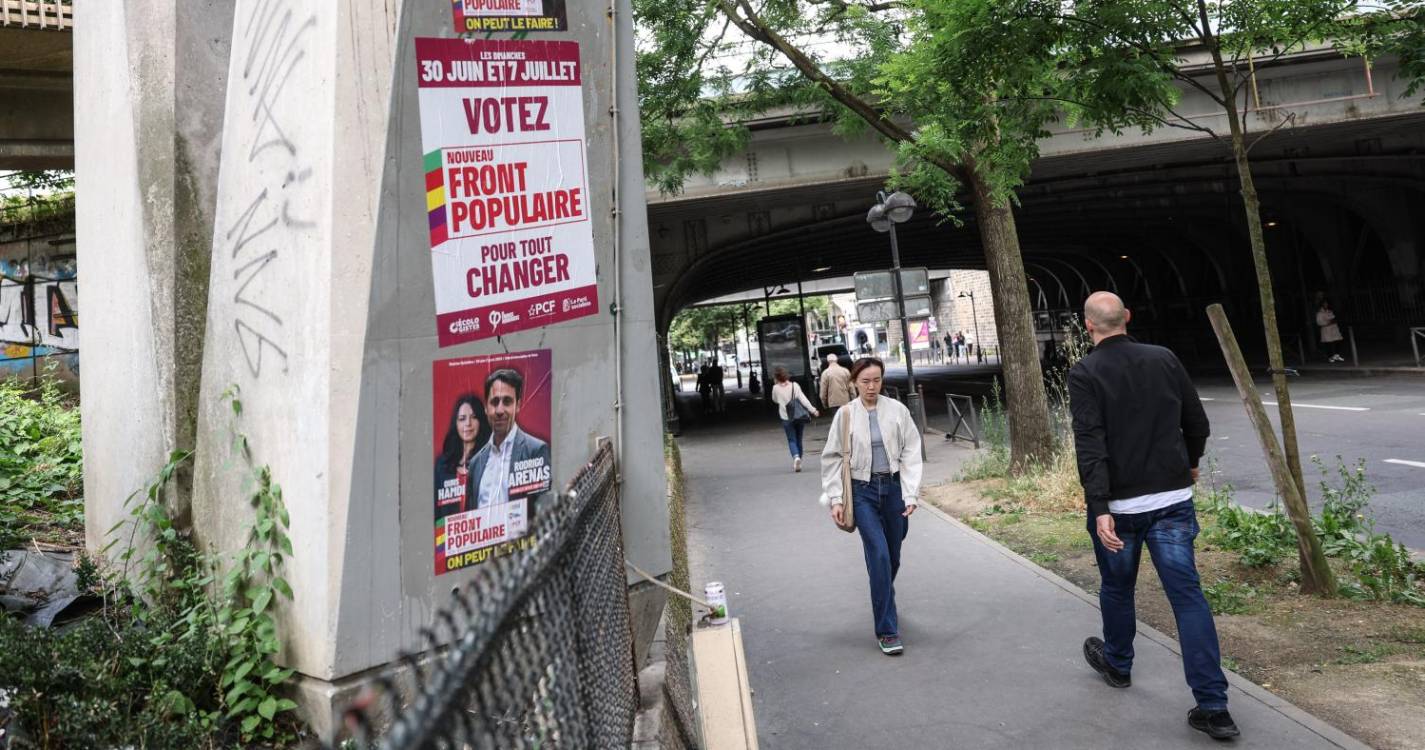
x,y
1379,420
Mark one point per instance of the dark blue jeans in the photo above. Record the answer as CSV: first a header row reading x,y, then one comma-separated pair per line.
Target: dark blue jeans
x,y
878,511
1169,534
794,432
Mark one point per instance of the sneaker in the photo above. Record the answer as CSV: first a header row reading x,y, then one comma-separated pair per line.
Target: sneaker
x,y
797,464
1215,724
1093,653
891,645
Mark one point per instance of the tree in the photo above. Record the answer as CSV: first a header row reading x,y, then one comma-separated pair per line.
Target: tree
x,y
958,116
1146,40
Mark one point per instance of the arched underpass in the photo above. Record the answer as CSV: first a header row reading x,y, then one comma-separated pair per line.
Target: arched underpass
x,y
1162,225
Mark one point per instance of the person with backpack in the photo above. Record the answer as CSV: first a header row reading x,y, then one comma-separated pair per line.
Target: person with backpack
x,y
794,409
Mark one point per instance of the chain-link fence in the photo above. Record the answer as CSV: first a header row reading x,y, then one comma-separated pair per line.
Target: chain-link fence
x,y
541,651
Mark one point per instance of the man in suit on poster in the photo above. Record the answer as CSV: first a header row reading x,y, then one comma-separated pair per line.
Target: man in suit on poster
x,y
513,464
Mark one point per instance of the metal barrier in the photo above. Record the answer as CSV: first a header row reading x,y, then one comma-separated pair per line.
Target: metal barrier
x,y
962,428
541,650
37,14
1416,334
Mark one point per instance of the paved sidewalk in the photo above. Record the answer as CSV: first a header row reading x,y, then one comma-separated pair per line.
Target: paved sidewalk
x,y
993,643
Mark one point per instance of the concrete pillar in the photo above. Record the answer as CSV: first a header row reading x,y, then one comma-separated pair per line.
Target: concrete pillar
x,y
321,312
146,167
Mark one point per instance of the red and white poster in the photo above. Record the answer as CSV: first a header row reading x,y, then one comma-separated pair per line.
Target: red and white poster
x,y
507,186
492,454
483,16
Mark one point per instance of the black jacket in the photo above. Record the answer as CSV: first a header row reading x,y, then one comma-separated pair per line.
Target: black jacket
x,y
1139,426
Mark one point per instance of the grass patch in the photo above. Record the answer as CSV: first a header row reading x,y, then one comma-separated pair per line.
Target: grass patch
x,y
1353,654
1044,559
1229,597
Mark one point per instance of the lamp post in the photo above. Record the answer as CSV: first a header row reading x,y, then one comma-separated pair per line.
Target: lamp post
x,y
979,345
897,208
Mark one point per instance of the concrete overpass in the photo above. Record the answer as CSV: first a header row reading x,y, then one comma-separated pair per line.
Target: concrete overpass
x,y
1155,216
36,85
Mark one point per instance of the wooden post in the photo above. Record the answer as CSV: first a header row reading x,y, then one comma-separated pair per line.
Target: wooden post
x,y
1316,575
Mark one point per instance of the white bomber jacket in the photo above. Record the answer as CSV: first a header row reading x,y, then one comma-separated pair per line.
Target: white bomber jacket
x,y
898,433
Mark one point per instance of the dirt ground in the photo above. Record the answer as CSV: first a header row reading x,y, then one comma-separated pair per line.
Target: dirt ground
x,y
1358,665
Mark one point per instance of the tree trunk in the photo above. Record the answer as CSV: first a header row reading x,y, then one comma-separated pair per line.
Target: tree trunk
x,y
1030,441
1316,575
1253,209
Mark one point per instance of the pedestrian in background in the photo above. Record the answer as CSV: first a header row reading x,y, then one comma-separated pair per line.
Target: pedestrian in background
x,y
719,389
794,409
704,389
1139,432
884,452
836,387
1331,337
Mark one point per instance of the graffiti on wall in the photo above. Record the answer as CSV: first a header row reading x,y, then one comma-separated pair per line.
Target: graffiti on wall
x,y
39,316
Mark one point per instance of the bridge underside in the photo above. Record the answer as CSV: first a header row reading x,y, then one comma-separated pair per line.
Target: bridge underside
x,y
1162,225
36,99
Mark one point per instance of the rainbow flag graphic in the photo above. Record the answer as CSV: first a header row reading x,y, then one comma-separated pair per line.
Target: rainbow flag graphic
x,y
435,198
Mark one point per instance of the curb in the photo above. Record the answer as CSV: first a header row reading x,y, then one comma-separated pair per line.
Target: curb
x,y
1251,689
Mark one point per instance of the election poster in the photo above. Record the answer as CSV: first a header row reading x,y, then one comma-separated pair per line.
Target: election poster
x,y
921,331
507,186
491,453
476,16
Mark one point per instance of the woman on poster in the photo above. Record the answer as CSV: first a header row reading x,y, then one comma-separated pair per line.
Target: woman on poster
x,y
468,431
884,451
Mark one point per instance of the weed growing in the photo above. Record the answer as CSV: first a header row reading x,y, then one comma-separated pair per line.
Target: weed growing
x,y
41,466
183,655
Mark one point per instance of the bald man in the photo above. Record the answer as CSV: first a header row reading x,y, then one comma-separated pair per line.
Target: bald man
x,y
1140,430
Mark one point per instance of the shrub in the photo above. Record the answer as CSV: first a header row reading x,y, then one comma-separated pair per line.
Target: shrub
x,y
41,465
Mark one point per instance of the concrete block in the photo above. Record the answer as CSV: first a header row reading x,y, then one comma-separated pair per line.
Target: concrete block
x,y
724,697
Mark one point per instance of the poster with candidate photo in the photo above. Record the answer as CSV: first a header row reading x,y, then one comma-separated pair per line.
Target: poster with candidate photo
x,y
491,454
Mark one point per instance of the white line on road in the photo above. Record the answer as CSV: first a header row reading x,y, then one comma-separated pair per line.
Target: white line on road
x,y
1320,406
1402,462
1213,399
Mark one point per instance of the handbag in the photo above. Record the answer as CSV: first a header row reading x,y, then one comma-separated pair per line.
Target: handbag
x,y
796,411
848,493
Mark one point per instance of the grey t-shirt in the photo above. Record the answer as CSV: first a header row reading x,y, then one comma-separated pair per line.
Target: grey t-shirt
x,y
880,462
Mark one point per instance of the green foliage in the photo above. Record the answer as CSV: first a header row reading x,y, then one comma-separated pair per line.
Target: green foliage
x,y
1262,539
41,465
184,652
1229,597
1380,568
1364,654
993,461
700,328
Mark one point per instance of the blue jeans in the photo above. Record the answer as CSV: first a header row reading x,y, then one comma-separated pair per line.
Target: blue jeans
x,y
794,432
878,510
1169,533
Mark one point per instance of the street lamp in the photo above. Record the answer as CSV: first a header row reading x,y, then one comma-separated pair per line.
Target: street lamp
x,y
889,211
979,344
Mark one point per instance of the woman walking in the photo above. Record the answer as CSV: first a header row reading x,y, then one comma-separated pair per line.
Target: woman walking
x,y
785,393
884,454
1330,332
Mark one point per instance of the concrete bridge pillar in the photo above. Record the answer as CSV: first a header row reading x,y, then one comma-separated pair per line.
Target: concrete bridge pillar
x,y
146,142
307,266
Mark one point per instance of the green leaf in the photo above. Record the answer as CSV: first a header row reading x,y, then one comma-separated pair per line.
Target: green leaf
x,y
243,670
268,708
263,599
250,723
277,676
281,585
286,704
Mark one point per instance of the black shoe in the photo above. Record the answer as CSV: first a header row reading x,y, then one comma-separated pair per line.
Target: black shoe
x,y
1093,654
1215,724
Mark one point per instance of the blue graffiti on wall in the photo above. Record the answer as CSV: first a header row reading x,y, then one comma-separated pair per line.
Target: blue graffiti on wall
x,y
39,315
